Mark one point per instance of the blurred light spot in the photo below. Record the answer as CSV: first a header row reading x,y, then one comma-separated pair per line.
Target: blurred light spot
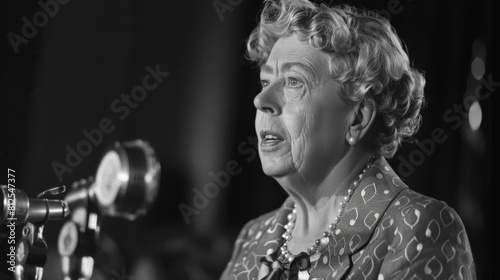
x,y
475,116
477,68
122,176
148,178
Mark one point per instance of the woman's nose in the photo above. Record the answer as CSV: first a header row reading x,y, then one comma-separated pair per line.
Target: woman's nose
x,y
268,100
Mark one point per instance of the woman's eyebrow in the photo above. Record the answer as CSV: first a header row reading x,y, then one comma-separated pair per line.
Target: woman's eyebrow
x,y
302,65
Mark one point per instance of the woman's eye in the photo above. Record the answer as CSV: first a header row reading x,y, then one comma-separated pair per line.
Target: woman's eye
x,y
294,89
294,82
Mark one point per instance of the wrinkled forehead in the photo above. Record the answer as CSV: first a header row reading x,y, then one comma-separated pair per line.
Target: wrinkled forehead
x,y
291,50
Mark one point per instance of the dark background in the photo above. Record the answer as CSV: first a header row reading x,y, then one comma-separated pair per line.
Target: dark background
x,y
64,79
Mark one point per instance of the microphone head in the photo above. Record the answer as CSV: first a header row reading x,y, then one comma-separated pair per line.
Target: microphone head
x,y
127,180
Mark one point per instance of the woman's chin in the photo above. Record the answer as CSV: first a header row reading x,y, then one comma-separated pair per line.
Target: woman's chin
x,y
274,169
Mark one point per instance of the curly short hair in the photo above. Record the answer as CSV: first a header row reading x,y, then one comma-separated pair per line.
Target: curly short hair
x,y
366,58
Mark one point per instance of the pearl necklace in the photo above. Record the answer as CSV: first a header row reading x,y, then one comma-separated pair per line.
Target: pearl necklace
x,y
320,243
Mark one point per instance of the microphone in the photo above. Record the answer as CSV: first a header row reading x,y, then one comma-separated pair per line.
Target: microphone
x,y
18,208
127,180
126,186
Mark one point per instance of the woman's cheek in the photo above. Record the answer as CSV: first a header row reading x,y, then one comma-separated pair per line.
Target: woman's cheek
x,y
299,151
294,94
294,119
299,121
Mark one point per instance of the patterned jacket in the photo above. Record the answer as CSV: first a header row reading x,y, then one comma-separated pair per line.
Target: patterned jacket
x,y
386,232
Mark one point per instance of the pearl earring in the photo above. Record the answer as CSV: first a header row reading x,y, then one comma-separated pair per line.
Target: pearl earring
x,y
352,140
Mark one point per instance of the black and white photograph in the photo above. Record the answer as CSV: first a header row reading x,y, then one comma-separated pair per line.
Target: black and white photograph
x,y
246,140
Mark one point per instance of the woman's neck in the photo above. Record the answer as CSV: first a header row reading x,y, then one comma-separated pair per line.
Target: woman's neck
x,y
317,205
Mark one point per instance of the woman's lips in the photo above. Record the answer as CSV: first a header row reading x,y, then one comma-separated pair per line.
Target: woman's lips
x,y
269,140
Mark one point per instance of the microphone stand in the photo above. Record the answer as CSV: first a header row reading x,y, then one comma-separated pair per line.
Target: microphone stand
x,y
78,237
31,251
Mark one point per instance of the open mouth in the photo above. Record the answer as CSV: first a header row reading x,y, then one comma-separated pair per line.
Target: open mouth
x,y
270,138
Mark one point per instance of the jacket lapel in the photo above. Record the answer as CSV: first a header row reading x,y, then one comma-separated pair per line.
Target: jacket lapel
x,y
360,219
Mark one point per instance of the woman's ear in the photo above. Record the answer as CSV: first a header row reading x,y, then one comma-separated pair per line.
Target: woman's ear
x,y
364,114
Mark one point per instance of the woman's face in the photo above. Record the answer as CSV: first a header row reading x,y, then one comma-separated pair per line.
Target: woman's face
x,y
301,119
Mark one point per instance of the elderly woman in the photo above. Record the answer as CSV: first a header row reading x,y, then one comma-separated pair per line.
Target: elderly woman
x,y
338,97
